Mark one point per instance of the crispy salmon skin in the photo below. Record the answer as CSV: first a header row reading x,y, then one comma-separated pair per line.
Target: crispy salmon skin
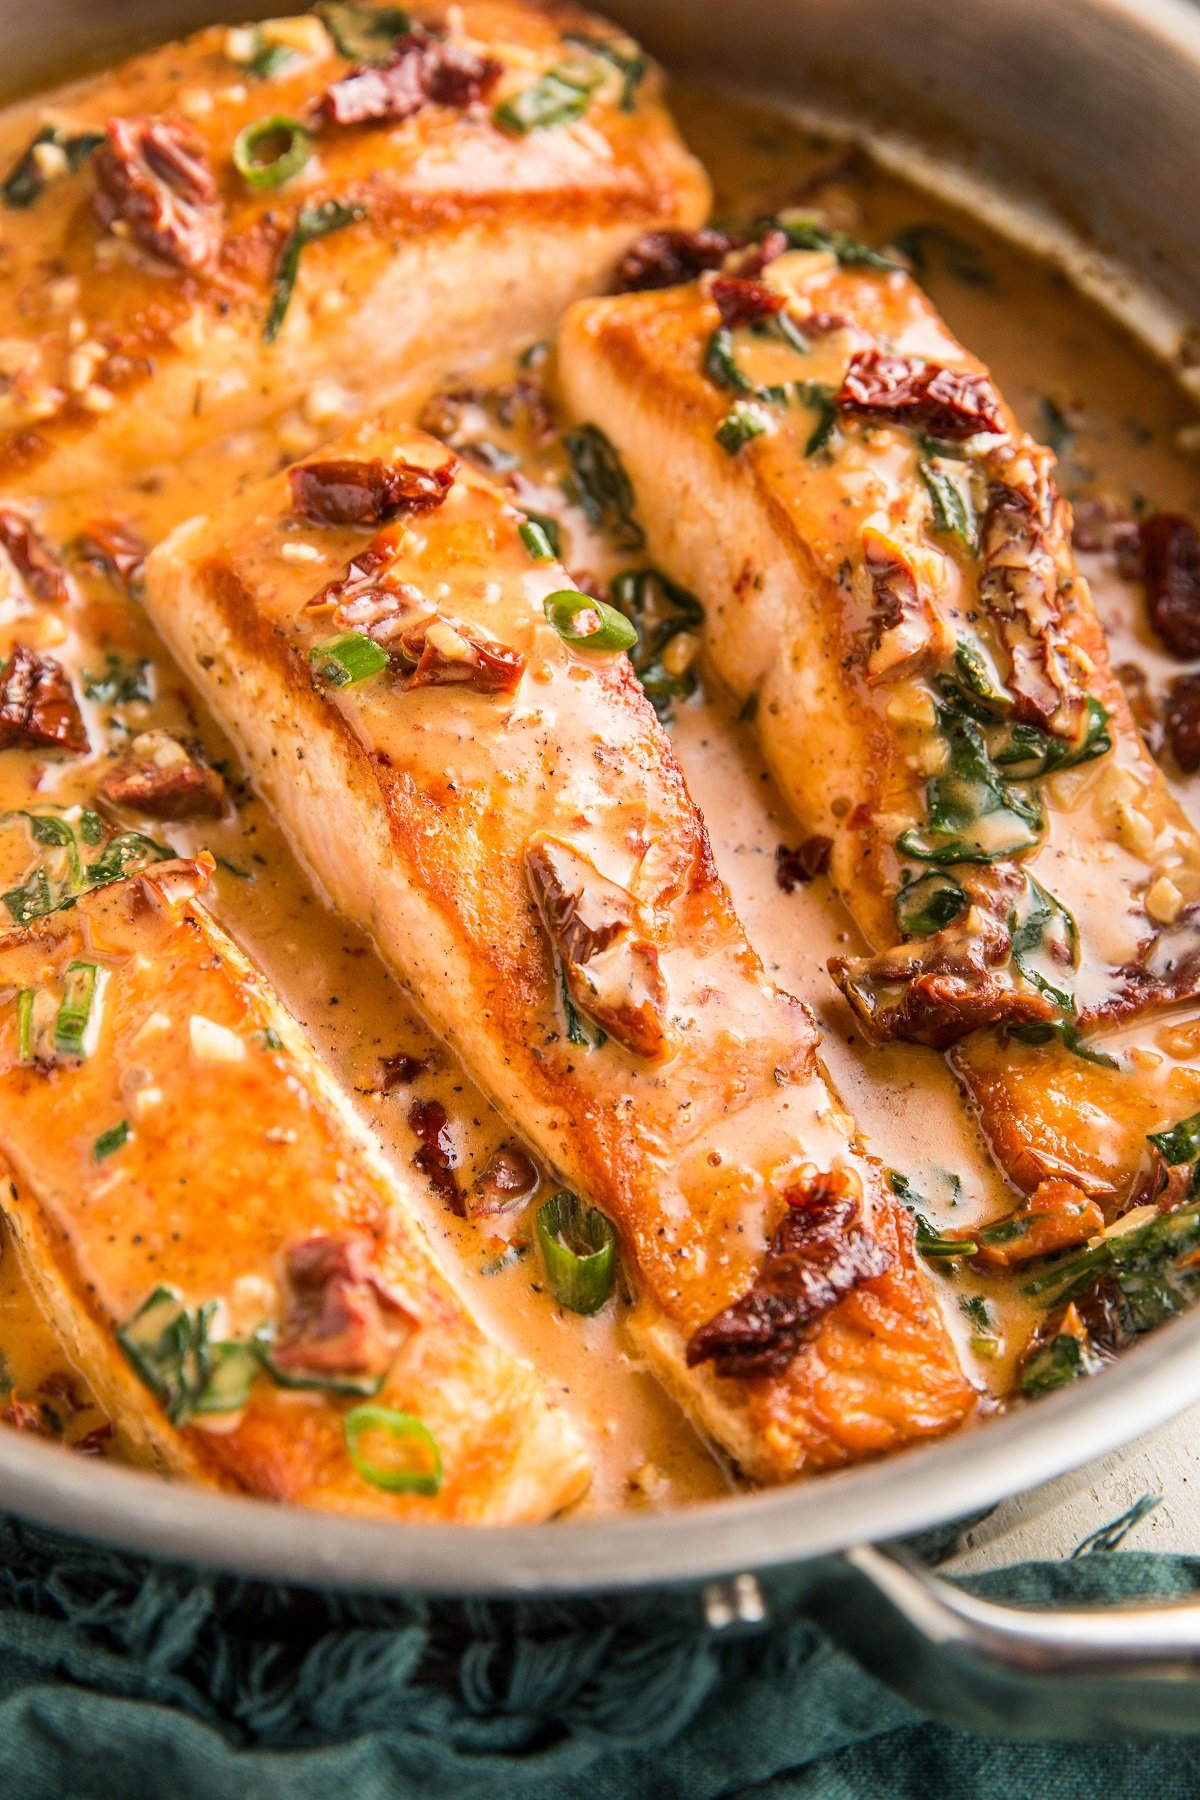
x,y
887,575
220,1245
492,796
170,279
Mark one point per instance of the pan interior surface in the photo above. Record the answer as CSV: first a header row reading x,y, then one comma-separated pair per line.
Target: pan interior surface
x,y
967,100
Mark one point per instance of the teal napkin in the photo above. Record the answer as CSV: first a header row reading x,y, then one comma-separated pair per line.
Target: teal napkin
x,y
126,1679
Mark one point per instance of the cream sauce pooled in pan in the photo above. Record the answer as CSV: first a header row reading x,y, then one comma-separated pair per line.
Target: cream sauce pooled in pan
x,y
1115,419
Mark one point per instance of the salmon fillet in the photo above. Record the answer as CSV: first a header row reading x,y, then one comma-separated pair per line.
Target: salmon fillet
x,y
500,808
458,192
184,1165
888,580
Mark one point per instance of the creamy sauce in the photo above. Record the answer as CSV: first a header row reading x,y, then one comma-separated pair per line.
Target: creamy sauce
x,y
1044,345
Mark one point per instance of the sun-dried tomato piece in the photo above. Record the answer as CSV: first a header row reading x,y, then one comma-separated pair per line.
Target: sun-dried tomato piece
x,y
397,1071
796,868
424,69
38,708
31,556
153,173
342,491
938,989
946,403
117,547
611,972
508,1178
94,1442
1183,721
1171,570
159,777
23,1415
818,1254
773,243
437,1157
448,653
339,1318
663,259
909,629
742,302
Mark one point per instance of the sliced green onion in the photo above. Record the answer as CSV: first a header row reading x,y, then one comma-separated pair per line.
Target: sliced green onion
x,y
269,152
25,1003
78,1013
347,659
232,1369
312,222
404,1428
579,1248
112,1139
364,33
169,1346
740,424
569,611
561,95
537,539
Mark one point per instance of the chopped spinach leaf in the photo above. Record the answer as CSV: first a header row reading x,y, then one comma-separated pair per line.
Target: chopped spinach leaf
x,y
312,222
1044,926
805,233
599,485
365,34
661,610
1056,1364
1181,1143
925,244
27,179
1069,1036
1027,753
928,904
972,815
558,97
1150,1273
1056,428
622,53
950,499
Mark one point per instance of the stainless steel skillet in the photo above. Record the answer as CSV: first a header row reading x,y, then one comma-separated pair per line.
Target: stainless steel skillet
x,y
1077,117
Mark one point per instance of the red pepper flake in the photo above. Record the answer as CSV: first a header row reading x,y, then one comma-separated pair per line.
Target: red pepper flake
x,y
38,708
437,1157
796,868
117,547
346,492
1171,569
742,302
951,404
32,558
1183,722
153,173
424,69
817,1256
663,259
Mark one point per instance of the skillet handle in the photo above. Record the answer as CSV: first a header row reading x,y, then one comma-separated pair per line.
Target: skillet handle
x,y
1117,1671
